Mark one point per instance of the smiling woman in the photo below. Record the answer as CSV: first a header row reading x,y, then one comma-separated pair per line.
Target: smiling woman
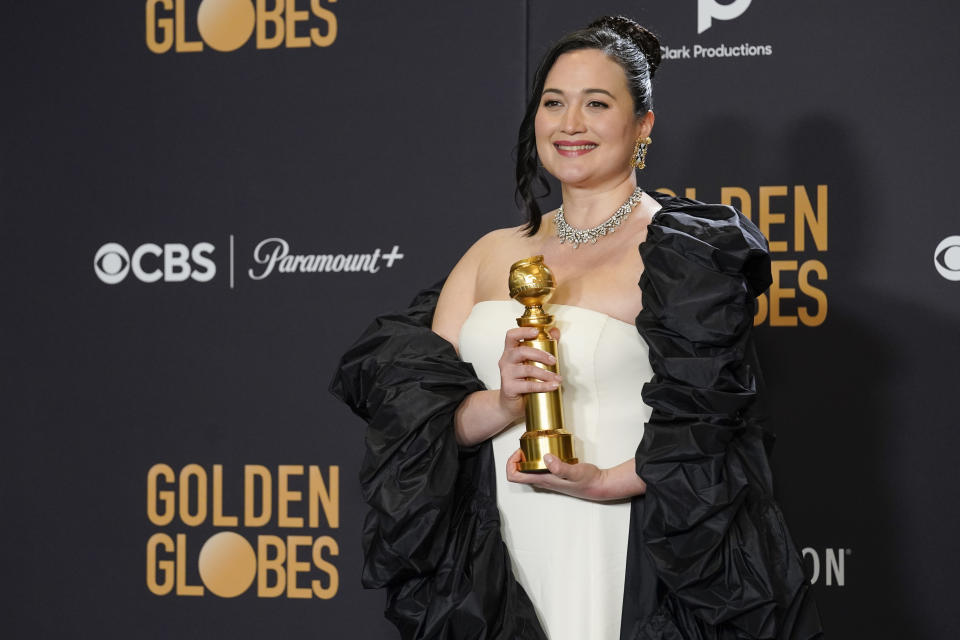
x,y
667,526
586,110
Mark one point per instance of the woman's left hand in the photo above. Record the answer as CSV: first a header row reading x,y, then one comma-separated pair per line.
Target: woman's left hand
x,y
581,480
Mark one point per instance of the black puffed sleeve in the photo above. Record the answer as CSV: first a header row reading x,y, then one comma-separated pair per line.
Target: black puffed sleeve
x,y
432,536
723,557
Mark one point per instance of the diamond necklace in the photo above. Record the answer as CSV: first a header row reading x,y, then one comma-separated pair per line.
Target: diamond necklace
x,y
581,236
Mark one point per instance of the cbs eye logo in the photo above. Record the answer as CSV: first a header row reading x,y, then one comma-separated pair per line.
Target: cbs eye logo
x,y
946,258
173,262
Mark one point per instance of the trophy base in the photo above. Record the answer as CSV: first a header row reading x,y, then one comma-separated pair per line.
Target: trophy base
x,y
536,444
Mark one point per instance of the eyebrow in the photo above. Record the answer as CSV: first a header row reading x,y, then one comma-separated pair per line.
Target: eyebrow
x,y
603,91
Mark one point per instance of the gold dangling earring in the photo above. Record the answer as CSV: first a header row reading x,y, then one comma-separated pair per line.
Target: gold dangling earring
x,y
640,153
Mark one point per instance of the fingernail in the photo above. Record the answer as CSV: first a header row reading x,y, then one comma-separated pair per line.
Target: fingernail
x,y
553,360
548,459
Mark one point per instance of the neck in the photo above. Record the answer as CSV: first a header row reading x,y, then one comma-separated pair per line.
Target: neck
x,y
586,207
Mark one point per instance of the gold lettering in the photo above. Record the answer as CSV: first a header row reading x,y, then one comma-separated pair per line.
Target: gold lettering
x,y
184,589
163,26
294,567
285,496
165,567
165,497
220,520
815,221
780,306
266,564
808,319
778,293
193,471
767,218
325,542
250,473
327,16
182,43
320,495
762,305
274,17
293,17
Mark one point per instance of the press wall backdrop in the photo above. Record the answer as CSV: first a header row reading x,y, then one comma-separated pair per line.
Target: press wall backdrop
x,y
204,202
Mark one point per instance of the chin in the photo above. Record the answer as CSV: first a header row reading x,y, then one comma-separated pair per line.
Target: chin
x,y
568,174
580,178
581,174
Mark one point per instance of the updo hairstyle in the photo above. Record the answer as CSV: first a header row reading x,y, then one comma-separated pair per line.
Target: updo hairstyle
x,y
633,47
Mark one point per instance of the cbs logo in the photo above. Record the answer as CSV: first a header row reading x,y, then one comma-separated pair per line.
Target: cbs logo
x,y
710,10
173,262
946,258
226,25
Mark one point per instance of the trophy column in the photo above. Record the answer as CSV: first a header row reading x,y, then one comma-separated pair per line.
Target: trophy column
x,y
531,283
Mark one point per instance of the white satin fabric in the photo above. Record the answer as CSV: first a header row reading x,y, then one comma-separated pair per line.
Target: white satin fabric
x,y
570,554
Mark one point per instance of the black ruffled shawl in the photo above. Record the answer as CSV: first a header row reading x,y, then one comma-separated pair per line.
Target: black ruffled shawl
x,y
710,557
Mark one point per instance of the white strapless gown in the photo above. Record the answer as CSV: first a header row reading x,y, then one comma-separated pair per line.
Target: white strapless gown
x,y
574,576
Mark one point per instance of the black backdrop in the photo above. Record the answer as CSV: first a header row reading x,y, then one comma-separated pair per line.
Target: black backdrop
x,y
397,133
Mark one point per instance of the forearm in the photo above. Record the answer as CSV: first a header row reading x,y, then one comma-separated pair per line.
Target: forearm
x,y
480,416
621,482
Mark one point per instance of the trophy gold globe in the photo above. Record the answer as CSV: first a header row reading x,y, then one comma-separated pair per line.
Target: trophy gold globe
x,y
531,284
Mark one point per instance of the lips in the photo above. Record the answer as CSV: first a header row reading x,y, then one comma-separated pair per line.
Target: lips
x,y
573,148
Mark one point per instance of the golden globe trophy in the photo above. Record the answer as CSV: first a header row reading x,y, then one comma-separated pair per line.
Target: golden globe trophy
x,y
531,284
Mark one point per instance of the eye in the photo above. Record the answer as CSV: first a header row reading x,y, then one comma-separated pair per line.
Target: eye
x,y
946,258
111,263
949,257
597,104
551,102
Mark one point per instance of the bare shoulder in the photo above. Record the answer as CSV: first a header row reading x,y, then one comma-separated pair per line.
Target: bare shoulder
x,y
459,292
493,240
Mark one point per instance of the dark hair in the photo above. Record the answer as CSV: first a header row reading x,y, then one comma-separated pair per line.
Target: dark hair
x,y
634,48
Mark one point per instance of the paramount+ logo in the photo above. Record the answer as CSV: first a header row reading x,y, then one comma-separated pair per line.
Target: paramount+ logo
x,y
186,26
150,262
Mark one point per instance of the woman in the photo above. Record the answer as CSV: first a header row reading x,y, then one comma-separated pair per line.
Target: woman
x,y
680,540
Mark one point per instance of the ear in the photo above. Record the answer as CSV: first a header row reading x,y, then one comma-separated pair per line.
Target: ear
x,y
644,124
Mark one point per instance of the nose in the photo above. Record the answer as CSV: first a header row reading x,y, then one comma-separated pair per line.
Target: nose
x,y
572,121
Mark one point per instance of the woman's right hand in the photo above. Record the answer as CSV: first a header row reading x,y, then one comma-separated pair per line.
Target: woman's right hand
x,y
517,377
484,414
